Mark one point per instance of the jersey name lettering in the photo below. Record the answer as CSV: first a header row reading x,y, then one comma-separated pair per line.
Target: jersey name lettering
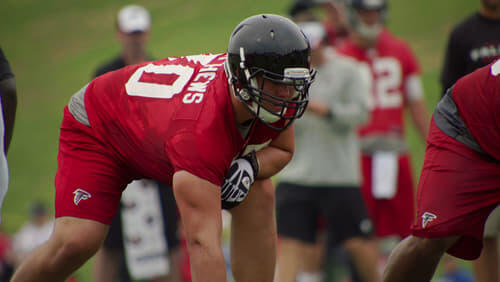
x,y
199,84
165,81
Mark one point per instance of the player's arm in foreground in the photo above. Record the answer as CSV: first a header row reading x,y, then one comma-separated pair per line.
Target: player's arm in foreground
x,y
254,230
199,205
274,157
253,225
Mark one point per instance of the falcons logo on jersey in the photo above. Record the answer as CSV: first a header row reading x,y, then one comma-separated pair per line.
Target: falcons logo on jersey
x,y
80,195
427,217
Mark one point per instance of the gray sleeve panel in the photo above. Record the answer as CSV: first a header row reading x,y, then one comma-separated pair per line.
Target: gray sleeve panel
x,y
76,106
448,120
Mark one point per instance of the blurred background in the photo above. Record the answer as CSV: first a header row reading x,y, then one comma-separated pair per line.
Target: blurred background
x,y
54,47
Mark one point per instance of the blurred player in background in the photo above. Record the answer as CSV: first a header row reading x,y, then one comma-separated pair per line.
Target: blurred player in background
x,y
133,25
8,101
388,188
33,233
323,178
215,126
331,13
459,185
473,43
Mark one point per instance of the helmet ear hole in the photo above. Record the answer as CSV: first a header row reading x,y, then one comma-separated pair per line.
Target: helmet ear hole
x,y
245,95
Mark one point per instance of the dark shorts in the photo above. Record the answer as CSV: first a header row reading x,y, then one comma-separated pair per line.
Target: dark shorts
x,y
458,189
300,207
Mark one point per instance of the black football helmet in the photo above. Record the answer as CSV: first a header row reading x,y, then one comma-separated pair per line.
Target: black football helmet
x,y
354,6
273,48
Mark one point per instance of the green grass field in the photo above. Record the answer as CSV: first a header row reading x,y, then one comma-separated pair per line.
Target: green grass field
x,y
54,46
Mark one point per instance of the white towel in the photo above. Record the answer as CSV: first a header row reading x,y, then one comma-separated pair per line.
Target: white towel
x,y
146,249
384,174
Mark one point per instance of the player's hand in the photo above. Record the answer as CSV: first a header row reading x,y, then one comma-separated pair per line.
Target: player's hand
x,y
240,177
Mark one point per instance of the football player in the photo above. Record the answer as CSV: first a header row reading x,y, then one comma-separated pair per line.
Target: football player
x,y
198,123
474,43
388,186
323,179
459,184
8,101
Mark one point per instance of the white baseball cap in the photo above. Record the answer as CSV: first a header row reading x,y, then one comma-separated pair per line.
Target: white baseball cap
x,y
314,31
133,18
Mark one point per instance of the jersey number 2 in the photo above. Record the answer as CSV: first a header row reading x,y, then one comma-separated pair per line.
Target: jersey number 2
x,y
388,79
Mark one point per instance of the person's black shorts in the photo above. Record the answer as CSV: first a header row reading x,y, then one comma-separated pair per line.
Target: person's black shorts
x,y
114,239
299,209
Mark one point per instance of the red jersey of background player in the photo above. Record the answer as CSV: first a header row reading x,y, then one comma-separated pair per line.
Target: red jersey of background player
x,y
391,63
169,115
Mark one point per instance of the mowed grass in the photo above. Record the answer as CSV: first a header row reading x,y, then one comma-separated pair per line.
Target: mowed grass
x,y
54,46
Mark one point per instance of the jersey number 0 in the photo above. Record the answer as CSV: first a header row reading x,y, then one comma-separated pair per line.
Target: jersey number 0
x,y
135,87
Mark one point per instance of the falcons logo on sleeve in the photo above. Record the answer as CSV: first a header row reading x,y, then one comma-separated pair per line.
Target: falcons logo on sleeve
x,y
80,195
427,217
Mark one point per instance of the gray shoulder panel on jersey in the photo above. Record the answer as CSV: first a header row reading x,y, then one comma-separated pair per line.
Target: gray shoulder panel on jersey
x,y
76,106
447,118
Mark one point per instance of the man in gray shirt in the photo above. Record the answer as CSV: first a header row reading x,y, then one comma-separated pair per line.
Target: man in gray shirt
x,y
323,178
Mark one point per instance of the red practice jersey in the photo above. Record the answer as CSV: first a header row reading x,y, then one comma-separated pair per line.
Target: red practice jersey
x,y
460,185
169,115
477,97
391,62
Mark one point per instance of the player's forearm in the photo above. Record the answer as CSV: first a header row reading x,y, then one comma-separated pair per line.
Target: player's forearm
x,y
420,117
199,203
272,160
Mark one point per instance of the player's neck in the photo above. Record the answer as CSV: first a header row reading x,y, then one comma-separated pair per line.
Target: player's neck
x,y
363,43
132,59
490,12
